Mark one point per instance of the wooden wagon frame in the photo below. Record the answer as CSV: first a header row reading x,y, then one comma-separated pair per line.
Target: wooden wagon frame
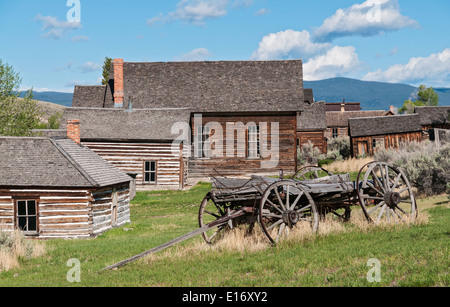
x,y
279,205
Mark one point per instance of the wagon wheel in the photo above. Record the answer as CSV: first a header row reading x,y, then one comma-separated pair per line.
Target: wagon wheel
x,y
284,206
210,212
385,194
310,172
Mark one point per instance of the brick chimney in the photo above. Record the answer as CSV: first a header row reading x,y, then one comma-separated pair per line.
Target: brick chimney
x,y
73,130
118,83
392,109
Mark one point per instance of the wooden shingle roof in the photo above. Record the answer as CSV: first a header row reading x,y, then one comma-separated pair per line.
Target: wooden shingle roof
x,y
340,119
127,125
43,162
433,115
383,125
232,86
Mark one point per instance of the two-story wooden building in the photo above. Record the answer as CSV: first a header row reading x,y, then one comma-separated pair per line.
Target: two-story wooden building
x,y
243,116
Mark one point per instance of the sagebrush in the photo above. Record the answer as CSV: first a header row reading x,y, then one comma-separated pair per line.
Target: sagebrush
x,y
426,164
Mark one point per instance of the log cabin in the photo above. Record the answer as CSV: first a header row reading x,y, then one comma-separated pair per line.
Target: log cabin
x,y
136,141
260,104
55,188
367,135
433,118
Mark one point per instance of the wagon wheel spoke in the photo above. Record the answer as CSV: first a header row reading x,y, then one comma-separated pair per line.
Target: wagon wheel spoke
x,y
385,194
209,212
295,206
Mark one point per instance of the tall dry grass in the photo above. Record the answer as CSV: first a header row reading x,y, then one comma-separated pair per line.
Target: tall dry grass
x,y
14,246
238,240
349,165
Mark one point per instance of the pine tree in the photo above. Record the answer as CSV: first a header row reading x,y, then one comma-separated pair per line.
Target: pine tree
x,y
106,69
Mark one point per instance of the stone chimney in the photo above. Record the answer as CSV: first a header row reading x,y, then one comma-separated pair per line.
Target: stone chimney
x,y
392,109
73,130
118,83
343,107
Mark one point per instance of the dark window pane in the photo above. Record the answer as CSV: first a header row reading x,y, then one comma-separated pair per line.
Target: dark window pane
x,y
153,166
22,223
153,177
147,166
31,207
21,208
32,224
147,177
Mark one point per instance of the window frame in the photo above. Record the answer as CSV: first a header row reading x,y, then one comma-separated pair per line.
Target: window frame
x,y
253,139
27,216
203,140
334,133
150,172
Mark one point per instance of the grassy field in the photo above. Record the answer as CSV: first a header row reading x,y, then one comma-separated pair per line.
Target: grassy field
x,y
410,255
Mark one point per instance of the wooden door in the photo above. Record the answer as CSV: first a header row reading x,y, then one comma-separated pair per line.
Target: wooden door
x,y
362,149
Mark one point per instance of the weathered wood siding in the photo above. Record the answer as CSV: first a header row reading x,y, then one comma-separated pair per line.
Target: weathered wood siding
x,y
317,138
342,131
390,141
104,215
236,166
66,213
130,157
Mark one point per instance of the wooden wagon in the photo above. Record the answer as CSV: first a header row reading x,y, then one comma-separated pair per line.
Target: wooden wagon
x,y
279,205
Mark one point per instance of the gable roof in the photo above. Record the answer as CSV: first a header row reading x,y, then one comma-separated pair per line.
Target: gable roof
x,y
433,115
349,106
118,124
43,162
340,119
312,117
89,96
234,86
382,125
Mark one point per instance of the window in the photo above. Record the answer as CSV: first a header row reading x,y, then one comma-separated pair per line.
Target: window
x,y
150,172
377,144
253,142
335,133
203,142
26,215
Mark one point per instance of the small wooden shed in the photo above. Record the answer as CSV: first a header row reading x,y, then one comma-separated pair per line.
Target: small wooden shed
x,y
55,188
367,135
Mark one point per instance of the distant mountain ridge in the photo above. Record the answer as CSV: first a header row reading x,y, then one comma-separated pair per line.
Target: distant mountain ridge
x,y
371,95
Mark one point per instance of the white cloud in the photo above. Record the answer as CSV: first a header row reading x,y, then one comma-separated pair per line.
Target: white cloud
x,y
287,44
198,11
200,54
193,11
370,18
262,12
90,67
56,29
80,38
433,70
337,61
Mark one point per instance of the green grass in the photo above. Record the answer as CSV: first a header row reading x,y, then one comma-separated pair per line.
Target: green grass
x,y
416,255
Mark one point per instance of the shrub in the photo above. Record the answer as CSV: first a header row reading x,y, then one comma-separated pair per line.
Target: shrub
x,y
426,164
309,155
339,148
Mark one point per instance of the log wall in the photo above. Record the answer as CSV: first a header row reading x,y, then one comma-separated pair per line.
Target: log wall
x,y
66,213
317,138
130,157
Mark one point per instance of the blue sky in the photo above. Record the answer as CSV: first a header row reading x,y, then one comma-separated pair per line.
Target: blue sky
x,y
401,41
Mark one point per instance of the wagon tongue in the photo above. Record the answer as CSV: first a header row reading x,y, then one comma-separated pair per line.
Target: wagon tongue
x,y
212,225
